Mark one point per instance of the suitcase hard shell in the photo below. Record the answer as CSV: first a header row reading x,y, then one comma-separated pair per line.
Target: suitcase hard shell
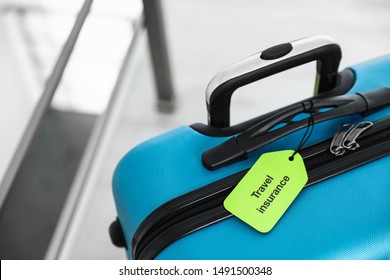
x,y
343,217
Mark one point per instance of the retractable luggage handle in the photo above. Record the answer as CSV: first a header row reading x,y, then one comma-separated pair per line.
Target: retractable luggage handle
x,y
273,60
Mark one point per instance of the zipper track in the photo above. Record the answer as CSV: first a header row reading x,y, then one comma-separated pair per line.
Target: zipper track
x,y
202,207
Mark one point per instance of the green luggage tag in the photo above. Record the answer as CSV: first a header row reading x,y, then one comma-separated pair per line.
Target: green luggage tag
x,y
268,189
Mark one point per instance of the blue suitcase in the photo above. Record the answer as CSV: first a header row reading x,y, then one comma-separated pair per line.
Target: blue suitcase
x,y
169,190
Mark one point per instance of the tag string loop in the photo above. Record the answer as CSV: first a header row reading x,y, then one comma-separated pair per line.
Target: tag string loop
x,y
308,132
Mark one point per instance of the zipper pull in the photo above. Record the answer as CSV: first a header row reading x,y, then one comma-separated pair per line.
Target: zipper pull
x,y
336,147
349,141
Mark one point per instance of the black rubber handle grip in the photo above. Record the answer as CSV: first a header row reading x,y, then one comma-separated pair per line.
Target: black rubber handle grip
x,y
276,59
237,148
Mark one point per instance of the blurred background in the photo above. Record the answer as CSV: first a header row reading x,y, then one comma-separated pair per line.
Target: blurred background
x,y
82,82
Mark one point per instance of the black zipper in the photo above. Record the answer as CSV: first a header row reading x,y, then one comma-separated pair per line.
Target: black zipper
x,y
204,206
